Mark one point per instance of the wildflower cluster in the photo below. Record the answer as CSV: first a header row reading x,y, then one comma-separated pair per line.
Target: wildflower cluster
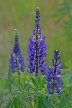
x,y
36,48
36,54
53,75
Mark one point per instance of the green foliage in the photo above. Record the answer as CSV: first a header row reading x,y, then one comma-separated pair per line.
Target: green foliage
x,y
46,102
31,92
1,83
14,103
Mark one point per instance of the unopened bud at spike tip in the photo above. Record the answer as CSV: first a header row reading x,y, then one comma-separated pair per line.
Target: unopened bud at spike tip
x,y
15,32
38,8
37,18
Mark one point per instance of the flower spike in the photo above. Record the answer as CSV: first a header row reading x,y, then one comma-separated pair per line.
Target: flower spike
x,y
36,48
53,75
16,59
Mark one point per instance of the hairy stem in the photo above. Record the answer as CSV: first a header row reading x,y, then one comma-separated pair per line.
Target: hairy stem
x,y
37,50
10,87
55,67
19,80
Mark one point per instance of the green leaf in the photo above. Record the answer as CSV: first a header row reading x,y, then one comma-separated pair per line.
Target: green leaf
x,y
69,64
33,81
16,80
1,83
63,102
14,103
38,94
40,102
68,76
46,102
41,80
69,104
53,104
6,84
6,92
9,104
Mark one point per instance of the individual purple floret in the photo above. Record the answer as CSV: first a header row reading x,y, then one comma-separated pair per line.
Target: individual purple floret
x,y
53,75
16,59
36,48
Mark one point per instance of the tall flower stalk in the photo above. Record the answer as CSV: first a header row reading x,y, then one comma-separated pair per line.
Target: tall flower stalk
x,y
53,75
36,48
16,59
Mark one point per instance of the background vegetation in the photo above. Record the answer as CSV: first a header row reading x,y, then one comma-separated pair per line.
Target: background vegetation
x,y
56,24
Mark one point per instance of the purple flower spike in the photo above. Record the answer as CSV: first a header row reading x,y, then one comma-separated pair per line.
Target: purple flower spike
x,y
37,48
53,75
16,59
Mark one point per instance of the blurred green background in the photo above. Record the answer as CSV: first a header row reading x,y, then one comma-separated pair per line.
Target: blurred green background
x,y
55,23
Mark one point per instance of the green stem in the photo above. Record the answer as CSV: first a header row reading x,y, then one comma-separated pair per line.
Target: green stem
x,y
36,80
0,103
10,87
36,102
30,101
19,80
37,90
1,100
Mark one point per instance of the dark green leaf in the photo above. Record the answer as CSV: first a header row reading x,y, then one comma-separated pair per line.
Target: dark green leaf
x,y
1,83
14,103
33,81
8,105
63,102
68,76
39,102
6,84
46,102
38,94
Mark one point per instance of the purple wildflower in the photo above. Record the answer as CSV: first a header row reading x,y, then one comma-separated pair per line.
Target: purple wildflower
x,y
53,75
36,48
16,59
